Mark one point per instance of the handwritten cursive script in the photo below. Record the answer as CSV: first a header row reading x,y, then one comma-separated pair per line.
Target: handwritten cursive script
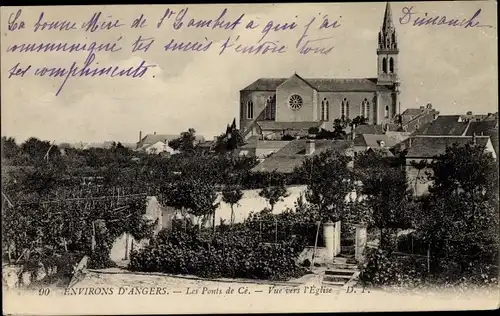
x,y
409,16
83,71
272,39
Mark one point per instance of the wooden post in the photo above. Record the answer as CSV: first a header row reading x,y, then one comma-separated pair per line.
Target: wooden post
x,y
429,258
126,246
315,244
93,241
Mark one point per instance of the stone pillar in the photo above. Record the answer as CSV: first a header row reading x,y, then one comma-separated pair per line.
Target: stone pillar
x,y
329,236
337,238
360,244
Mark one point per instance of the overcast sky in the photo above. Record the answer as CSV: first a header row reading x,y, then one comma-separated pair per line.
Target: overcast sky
x,y
452,67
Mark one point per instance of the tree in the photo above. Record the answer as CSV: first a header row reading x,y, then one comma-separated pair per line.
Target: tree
x,y
386,193
232,195
186,141
10,150
419,165
389,198
196,196
358,120
459,218
274,190
230,140
273,194
328,185
339,125
38,150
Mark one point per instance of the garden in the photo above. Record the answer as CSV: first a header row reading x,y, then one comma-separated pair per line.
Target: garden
x,y
50,213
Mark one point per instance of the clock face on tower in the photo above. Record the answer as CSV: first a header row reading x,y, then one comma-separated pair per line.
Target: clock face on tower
x,y
295,102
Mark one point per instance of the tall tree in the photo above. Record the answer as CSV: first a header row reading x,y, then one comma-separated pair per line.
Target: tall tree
x,y
232,195
186,141
274,190
38,149
230,140
329,182
460,218
386,193
10,150
196,196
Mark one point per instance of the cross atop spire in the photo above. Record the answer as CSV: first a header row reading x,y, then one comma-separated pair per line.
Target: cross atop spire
x,y
387,24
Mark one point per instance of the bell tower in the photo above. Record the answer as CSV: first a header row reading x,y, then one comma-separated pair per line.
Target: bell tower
x,y
387,51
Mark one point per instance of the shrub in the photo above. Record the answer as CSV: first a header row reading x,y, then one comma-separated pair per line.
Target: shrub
x,y
313,130
231,254
383,268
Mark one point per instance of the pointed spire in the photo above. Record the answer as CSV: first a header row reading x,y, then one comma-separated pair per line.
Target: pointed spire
x,y
387,18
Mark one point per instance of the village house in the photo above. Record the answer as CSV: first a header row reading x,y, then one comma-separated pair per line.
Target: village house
x,y
296,152
385,144
413,119
261,148
426,148
158,143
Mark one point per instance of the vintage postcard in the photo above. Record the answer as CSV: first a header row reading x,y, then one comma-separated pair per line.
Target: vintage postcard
x,y
249,158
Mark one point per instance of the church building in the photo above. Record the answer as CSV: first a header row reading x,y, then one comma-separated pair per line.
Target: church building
x,y
272,107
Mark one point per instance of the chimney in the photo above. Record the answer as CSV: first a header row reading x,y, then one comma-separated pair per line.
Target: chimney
x,y
310,147
140,136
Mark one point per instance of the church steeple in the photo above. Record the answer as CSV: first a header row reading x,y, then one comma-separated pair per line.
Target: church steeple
x,y
387,49
388,25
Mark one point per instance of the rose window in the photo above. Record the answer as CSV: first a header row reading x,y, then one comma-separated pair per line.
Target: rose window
x,y
295,102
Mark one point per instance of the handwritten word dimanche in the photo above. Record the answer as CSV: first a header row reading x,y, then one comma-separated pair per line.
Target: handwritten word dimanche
x,y
84,71
410,15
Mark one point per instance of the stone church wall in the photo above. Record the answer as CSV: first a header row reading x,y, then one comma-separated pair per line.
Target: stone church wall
x,y
283,111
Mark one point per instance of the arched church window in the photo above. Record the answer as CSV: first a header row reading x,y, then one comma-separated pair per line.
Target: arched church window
x,y
324,110
364,108
345,109
386,111
249,109
391,65
384,65
270,109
